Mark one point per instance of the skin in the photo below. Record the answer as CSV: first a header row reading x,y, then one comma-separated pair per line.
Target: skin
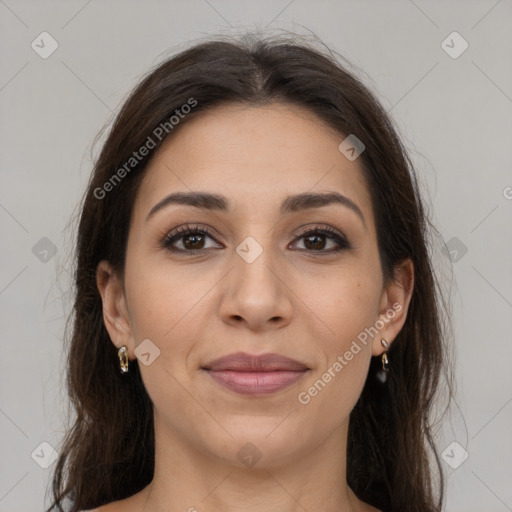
x,y
290,300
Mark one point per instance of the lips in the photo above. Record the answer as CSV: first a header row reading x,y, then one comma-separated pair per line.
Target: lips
x,y
255,375
242,362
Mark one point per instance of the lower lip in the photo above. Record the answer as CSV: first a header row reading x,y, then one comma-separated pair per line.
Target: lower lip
x,y
256,383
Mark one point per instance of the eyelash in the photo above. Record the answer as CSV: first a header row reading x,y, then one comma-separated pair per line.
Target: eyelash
x,y
183,231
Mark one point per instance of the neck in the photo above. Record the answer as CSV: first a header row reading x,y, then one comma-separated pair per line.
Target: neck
x,y
193,480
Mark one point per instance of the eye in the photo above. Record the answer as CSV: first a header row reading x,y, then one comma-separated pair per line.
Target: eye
x,y
315,239
191,238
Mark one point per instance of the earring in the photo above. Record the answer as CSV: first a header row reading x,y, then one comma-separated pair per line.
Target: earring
x,y
123,359
382,375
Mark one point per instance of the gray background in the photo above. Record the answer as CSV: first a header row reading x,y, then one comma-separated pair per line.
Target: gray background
x,y
454,114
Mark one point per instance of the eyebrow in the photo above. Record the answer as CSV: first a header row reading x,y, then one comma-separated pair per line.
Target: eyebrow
x,y
294,203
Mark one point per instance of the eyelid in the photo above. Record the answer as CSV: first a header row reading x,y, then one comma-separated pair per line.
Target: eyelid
x,y
321,227
326,230
330,233
181,231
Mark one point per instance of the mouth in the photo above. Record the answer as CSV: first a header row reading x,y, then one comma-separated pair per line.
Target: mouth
x,y
255,375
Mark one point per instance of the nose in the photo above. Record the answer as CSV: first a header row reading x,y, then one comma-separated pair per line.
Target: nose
x,y
256,294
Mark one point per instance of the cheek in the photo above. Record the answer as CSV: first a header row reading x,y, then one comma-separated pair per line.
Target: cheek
x,y
160,295
341,304
344,310
169,306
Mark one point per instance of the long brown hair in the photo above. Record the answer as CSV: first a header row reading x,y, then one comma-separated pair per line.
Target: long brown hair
x,y
108,453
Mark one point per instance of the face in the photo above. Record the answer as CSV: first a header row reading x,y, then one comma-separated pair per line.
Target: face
x,y
250,280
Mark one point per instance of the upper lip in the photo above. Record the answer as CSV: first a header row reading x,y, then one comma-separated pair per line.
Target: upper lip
x,y
242,362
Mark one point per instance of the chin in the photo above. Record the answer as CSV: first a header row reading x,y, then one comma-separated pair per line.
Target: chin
x,y
260,445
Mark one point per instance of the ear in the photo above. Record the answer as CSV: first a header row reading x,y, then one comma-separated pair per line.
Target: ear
x,y
115,310
394,305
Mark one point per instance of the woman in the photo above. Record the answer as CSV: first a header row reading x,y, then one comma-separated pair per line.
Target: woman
x,y
257,323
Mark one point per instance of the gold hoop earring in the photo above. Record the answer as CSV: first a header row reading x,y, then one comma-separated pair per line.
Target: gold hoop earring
x,y
123,359
382,375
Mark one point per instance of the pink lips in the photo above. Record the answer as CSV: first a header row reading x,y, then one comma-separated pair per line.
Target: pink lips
x,y
255,375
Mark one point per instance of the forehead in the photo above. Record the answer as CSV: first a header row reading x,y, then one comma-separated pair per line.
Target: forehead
x,y
254,155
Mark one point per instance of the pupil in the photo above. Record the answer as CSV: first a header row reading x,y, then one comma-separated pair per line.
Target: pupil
x,y
313,237
194,244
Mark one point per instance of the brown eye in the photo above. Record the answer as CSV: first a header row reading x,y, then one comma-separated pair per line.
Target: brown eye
x,y
316,242
191,239
316,239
